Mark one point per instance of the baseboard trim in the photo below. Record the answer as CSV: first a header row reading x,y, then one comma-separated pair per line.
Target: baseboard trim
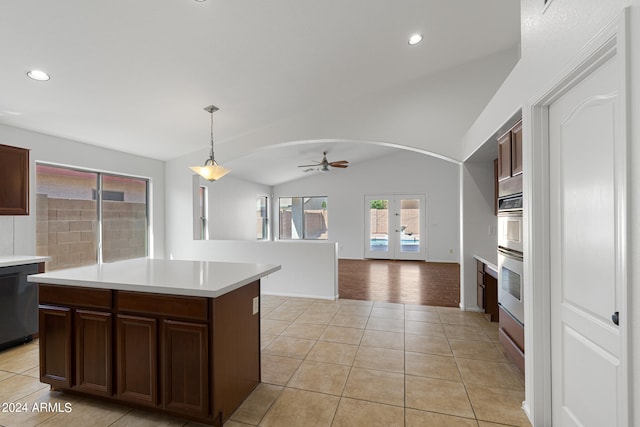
x,y
293,295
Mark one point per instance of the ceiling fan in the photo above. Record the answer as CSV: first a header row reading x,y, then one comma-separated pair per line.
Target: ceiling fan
x,y
324,164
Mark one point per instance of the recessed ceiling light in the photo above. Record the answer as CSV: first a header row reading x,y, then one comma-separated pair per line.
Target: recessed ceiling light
x,y
415,39
201,1
39,75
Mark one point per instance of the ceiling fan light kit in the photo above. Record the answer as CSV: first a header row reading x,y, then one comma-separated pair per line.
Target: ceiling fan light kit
x,y
324,165
211,171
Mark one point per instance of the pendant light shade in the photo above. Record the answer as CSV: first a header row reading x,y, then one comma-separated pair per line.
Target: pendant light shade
x,y
211,171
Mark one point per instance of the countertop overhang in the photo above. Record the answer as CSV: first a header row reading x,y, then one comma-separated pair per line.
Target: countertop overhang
x,y
13,260
173,277
485,260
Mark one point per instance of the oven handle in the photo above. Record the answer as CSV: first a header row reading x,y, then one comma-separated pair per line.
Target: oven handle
x,y
510,253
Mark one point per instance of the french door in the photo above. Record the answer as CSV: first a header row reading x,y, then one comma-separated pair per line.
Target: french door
x,y
395,226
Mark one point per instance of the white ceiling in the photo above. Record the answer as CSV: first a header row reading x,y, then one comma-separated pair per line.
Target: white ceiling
x,y
275,165
135,75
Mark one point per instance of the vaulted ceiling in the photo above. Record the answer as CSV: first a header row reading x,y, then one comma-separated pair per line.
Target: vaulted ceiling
x,y
135,75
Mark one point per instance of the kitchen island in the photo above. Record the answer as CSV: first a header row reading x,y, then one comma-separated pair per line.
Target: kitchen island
x,y
182,337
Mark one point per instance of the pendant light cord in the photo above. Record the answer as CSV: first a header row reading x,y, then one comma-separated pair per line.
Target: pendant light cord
x,y
213,160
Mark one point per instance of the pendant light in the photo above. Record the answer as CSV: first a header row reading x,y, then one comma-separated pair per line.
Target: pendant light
x,y
211,171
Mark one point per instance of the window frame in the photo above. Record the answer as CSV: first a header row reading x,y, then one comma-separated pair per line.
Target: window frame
x,y
304,199
266,223
98,194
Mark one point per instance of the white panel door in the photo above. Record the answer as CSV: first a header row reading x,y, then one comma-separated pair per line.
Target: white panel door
x,y
587,252
395,226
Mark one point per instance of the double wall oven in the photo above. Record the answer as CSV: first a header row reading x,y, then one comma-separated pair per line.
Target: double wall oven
x,y
510,257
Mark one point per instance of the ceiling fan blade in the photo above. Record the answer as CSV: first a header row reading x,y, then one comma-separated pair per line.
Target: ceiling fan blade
x,y
342,165
309,166
339,162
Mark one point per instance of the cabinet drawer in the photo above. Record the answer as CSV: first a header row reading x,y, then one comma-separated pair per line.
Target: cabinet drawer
x,y
512,329
183,307
512,349
75,296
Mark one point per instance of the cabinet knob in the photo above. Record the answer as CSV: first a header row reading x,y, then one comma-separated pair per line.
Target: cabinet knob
x,y
615,318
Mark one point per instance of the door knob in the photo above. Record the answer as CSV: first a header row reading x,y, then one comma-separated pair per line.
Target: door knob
x,y
615,318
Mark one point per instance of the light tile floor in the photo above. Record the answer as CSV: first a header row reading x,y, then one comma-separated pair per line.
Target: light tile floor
x,y
324,363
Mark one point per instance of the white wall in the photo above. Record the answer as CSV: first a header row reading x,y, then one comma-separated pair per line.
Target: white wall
x,y
551,39
479,233
634,212
309,269
232,208
403,172
17,234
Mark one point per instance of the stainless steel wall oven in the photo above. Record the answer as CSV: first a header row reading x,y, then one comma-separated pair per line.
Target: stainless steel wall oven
x,y
510,256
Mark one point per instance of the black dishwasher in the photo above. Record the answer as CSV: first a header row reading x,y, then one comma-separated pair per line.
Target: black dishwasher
x,y
18,305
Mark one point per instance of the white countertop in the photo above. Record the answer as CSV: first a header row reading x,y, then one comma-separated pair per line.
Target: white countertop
x,y
194,278
11,260
484,259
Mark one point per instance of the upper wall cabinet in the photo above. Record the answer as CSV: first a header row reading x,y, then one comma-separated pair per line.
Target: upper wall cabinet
x,y
510,153
14,180
509,172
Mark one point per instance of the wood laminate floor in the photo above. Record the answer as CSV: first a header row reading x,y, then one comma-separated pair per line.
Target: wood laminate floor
x,y
403,282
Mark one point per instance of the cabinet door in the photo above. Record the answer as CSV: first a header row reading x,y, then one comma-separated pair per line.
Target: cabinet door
x,y
185,356
504,156
55,345
516,149
14,176
480,284
137,355
93,352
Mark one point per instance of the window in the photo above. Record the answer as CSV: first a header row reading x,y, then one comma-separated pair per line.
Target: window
x,y
85,217
203,212
303,218
262,217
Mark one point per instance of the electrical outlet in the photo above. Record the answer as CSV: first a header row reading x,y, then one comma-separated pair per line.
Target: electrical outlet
x,y
256,305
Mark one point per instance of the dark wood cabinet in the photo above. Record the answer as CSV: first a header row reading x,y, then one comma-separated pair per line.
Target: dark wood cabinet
x,y
510,153
14,180
184,367
238,373
487,286
137,359
55,346
509,165
511,336
94,351
194,357
516,149
504,156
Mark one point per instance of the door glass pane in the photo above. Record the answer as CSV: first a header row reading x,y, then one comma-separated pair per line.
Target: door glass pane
x,y
379,226
124,218
66,216
409,225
